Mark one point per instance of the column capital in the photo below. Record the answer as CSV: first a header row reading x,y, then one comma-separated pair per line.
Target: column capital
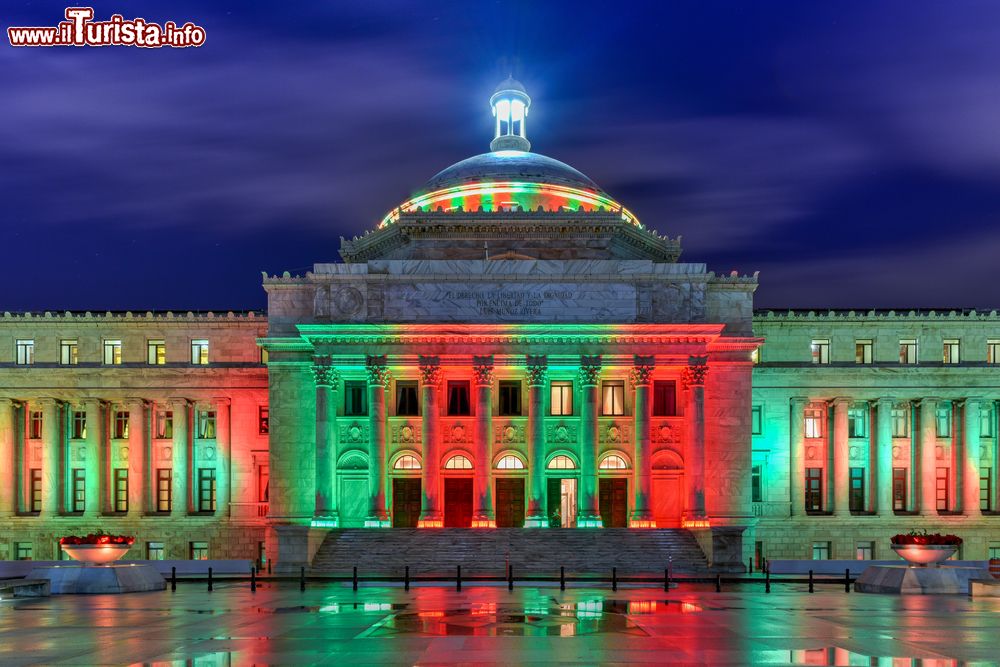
x,y
47,401
974,400
133,402
885,401
537,369
325,375
482,370
800,401
927,401
177,402
590,370
841,401
222,400
430,370
641,374
378,371
695,372
8,402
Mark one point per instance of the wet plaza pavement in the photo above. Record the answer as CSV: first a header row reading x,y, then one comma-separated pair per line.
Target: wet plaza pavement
x,y
332,624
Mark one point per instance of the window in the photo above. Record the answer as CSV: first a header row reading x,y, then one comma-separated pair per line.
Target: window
x,y
951,355
856,499
613,462
199,352
112,352
664,398
986,420
355,398
458,463
993,351
757,420
264,356
263,420
821,551
899,500
814,489
164,424
755,356
156,352
510,462
25,352
942,420
22,551
510,398
901,421
119,425
986,489
79,480
757,483
613,393
863,352
198,550
35,425
68,352
164,489
814,423
941,490
206,424
407,404
857,421
206,489
155,551
561,462
820,351
78,427
561,399
36,490
994,550
865,551
458,398
407,462
908,351
121,490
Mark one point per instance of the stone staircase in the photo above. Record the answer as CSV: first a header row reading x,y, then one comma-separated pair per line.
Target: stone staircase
x,y
531,551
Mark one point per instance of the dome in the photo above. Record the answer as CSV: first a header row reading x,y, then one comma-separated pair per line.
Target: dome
x,y
510,83
518,166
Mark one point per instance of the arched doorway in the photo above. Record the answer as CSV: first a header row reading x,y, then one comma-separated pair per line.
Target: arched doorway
x,y
457,473
667,501
352,488
561,477
509,473
614,470
406,490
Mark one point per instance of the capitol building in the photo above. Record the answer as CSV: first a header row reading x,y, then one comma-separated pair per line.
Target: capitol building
x,y
511,348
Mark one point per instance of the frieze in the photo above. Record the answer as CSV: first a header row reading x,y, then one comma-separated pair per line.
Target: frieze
x,y
615,434
457,433
666,433
508,434
353,433
561,433
405,434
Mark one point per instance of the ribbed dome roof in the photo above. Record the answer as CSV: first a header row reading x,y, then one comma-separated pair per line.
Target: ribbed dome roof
x,y
510,166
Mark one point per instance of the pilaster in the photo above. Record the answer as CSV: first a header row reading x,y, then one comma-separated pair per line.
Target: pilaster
x,y
137,457
224,447
883,457
327,379
928,457
378,381
970,461
431,511
537,376
589,514
694,458
841,458
482,381
52,445
642,379
797,461
92,448
8,463
180,458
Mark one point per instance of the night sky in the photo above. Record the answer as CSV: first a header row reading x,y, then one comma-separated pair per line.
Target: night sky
x,y
849,151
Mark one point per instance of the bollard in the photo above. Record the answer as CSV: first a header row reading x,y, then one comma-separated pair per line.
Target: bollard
x,y
614,578
458,578
750,569
406,578
767,580
718,583
354,578
269,568
173,578
510,577
666,579
562,578
847,580
810,581
253,580
209,579
302,578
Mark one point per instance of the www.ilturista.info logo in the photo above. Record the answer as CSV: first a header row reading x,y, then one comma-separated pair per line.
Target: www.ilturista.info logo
x,y
79,29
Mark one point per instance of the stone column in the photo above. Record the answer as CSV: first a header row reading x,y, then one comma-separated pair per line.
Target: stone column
x,y
482,373
970,462
797,457
589,500
642,379
327,379
841,458
137,459
431,514
92,465
883,459
51,457
537,372
928,458
378,381
694,457
180,463
224,454
8,465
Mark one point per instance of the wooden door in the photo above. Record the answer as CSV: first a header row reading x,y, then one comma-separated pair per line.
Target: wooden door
x,y
458,502
667,503
405,502
613,494
510,502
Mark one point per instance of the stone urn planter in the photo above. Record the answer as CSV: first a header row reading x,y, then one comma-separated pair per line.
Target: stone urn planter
x,y
925,555
95,554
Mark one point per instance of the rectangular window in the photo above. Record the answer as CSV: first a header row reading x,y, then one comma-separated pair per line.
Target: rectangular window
x,y
198,550
865,551
264,356
35,425
112,352
613,393
407,404
986,489
986,420
263,420
664,398
25,352
821,551
951,355
119,426
155,551
993,351
757,483
908,351
510,398
156,352
814,489
561,399
206,424
814,423
458,398
23,551
942,420
901,422
899,500
994,550
164,489
755,356
121,490
206,489
69,352
757,420
355,398
856,500
820,351
941,490
199,352
79,479
164,424
863,352
78,426
857,421
35,499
